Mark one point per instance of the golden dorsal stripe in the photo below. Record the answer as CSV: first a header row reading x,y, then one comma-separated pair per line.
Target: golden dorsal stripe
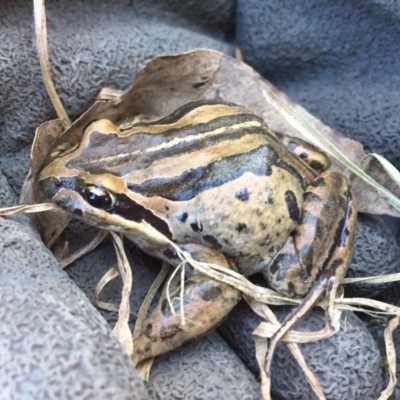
x,y
181,140
201,114
219,131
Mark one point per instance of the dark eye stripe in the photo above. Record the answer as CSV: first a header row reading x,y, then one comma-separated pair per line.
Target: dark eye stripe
x,y
122,205
132,211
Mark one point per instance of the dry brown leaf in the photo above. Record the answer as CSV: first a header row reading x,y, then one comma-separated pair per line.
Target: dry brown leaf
x,y
54,222
26,195
170,81
45,137
143,369
382,171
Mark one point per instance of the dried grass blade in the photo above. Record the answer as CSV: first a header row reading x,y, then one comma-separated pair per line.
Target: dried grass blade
x,y
181,295
27,209
121,329
155,286
260,309
268,296
268,329
84,250
371,313
359,301
144,368
373,279
271,297
391,358
41,38
261,352
169,286
295,116
235,279
238,54
111,274
310,376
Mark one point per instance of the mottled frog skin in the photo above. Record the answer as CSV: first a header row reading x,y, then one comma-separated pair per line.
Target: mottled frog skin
x,y
215,180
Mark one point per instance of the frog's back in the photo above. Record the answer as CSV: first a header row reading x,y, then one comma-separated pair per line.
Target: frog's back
x,y
200,143
193,137
223,180
212,172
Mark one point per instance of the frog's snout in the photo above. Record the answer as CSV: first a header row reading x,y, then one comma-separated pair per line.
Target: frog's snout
x,y
50,187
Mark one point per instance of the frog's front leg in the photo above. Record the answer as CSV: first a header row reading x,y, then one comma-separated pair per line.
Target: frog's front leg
x,y
328,223
206,303
319,252
310,154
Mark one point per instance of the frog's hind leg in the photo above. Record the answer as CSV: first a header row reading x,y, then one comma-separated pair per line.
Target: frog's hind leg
x,y
206,303
320,250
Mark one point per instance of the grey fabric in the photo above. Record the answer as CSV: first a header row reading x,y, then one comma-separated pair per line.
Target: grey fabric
x,y
347,365
204,369
92,44
391,295
337,58
375,253
53,343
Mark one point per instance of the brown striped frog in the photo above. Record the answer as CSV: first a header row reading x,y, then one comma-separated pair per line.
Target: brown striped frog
x,y
212,178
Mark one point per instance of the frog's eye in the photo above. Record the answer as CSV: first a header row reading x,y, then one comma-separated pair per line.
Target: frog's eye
x,y
99,197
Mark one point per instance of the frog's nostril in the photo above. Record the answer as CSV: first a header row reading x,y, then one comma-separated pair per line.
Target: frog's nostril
x,y
78,212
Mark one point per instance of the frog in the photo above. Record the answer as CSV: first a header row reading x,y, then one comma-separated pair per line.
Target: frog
x,y
215,180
